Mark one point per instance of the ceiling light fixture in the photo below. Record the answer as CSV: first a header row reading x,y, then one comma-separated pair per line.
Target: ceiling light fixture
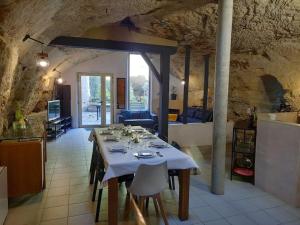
x,y
42,60
42,57
59,80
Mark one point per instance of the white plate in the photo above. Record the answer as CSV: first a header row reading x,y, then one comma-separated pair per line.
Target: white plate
x,y
144,154
118,148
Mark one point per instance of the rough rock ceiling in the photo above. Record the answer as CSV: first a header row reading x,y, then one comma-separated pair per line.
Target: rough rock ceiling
x,y
259,25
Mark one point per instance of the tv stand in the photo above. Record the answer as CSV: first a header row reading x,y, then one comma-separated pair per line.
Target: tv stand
x,y
59,126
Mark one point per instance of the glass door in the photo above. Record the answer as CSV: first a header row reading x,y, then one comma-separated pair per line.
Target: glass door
x,y
95,101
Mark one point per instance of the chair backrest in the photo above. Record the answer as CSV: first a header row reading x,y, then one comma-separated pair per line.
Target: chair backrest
x,y
100,161
149,179
176,145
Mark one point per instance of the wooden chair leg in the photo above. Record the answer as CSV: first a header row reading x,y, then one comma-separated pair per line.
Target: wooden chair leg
x,y
139,217
142,204
162,210
98,205
155,206
127,206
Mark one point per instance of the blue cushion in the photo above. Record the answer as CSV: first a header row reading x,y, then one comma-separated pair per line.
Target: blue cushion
x,y
198,114
191,112
135,115
145,115
126,114
193,120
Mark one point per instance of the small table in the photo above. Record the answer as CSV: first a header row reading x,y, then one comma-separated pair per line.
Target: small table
x,y
98,108
122,164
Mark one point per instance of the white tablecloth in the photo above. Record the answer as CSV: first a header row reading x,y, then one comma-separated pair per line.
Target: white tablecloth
x,y
118,164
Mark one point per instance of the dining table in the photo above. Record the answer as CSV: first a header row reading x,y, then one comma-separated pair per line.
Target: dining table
x,y
134,140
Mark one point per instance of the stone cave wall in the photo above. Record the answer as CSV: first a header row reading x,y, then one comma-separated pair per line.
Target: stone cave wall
x,y
265,47
265,79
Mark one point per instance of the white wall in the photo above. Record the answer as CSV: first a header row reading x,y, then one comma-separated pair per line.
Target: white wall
x,y
277,159
196,134
114,63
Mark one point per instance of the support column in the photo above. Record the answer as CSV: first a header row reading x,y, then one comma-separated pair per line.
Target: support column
x,y
186,84
164,95
205,84
225,12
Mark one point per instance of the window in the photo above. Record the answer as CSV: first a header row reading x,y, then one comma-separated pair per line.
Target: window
x,y
139,83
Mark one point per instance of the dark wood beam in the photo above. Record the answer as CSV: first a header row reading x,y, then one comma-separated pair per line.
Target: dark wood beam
x,y
186,84
79,42
164,95
152,67
205,85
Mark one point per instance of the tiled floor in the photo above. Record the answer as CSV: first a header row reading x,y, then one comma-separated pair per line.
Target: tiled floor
x,y
67,197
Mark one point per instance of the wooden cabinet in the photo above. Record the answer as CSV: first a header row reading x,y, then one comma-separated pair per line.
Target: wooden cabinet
x,y
63,93
25,162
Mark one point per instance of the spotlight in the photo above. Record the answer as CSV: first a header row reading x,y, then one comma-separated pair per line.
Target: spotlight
x,y
42,60
60,80
183,82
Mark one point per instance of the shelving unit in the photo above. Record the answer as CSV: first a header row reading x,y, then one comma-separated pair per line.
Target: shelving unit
x,y
59,126
243,151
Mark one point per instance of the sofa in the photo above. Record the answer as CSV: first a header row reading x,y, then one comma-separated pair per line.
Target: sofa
x,y
144,119
197,115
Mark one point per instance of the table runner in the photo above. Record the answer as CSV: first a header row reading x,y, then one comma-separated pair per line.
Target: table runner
x,y
118,164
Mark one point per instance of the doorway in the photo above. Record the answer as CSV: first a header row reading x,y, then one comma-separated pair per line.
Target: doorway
x,y
95,104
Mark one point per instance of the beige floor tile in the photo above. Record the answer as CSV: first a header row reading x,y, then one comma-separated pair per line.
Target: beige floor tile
x,y
58,191
86,219
79,198
81,208
55,213
79,180
61,176
59,183
62,170
23,215
79,174
56,201
79,188
63,221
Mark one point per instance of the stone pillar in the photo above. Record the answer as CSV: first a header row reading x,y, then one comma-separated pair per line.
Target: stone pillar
x,y
225,12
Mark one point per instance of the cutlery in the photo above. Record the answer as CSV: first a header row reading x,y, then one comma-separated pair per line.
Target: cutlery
x,y
159,154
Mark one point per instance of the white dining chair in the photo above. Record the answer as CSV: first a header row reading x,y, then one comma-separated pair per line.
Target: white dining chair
x,y
149,181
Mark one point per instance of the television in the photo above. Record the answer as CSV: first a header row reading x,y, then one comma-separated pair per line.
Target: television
x,y
53,110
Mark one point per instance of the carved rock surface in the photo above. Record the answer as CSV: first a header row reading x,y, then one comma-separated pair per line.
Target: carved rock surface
x,y
265,46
